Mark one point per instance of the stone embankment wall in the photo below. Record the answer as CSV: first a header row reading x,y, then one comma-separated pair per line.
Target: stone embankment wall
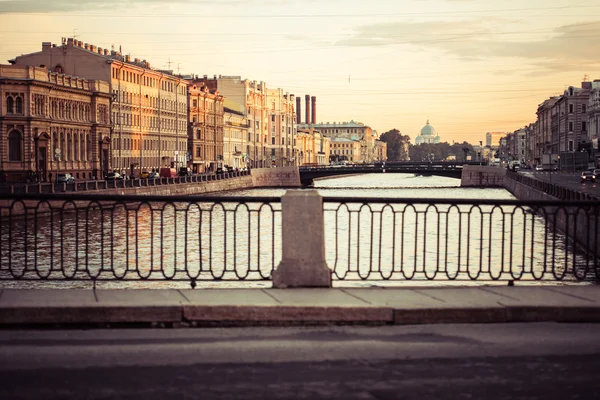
x,y
481,176
276,177
578,221
182,189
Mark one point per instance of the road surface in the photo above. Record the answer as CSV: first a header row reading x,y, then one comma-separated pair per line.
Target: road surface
x,y
494,361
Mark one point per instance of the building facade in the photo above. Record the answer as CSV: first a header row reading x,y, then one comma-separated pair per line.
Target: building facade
x,y
235,138
205,128
52,123
542,132
148,110
593,110
343,149
249,98
352,130
571,111
282,128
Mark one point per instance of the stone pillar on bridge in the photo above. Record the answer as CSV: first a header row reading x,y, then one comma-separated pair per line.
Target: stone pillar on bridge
x,y
303,230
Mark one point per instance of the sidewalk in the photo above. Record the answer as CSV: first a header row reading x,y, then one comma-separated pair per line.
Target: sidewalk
x,y
229,307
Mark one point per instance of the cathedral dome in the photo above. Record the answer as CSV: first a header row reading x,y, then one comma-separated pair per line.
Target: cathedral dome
x,y
428,130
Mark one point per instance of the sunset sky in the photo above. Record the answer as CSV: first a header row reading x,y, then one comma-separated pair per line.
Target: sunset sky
x,y
470,66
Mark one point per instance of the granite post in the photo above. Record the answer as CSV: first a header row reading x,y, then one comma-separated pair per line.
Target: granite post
x,y
303,230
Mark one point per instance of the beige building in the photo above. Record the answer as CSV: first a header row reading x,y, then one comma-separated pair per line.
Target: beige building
x,y
52,123
149,107
356,131
541,140
313,148
206,129
282,128
249,98
235,138
380,153
343,149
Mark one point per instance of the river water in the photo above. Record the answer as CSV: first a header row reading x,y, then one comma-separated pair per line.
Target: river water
x,y
367,244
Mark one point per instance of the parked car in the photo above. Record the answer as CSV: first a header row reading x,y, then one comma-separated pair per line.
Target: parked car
x,y
144,175
588,176
113,176
168,173
183,171
153,175
539,168
596,172
64,178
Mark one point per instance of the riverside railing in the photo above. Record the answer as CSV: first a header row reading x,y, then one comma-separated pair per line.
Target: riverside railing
x,y
88,185
194,239
554,190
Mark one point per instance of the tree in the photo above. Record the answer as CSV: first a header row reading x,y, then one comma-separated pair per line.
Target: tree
x,y
397,145
438,151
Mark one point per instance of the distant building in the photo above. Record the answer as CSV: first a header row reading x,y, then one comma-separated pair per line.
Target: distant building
x,y
235,138
52,123
343,149
149,107
593,110
428,135
206,129
492,139
352,130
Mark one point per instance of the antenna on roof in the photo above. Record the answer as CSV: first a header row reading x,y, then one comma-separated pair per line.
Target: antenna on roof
x,y
75,35
178,65
169,63
586,78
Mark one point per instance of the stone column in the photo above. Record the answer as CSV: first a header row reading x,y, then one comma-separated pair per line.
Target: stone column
x,y
303,260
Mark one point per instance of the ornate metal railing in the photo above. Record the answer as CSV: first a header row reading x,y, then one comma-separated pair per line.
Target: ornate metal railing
x,y
97,238
441,239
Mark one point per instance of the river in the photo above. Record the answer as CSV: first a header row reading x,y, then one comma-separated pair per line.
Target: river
x,y
218,244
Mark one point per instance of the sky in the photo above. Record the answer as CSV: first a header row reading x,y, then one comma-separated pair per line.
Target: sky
x,y
469,66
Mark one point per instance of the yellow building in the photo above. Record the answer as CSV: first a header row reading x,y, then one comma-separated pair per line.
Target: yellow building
x,y
312,147
234,140
282,128
52,123
343,149
149,106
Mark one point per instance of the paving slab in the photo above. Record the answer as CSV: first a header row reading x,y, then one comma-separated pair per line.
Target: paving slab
x,y
538,296
588,292
230,297
317,297
285,306
140,306
33,306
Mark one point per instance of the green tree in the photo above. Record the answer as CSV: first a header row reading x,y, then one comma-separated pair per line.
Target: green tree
x,y
397,145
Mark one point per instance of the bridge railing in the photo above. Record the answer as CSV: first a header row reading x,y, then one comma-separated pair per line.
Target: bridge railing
x,y
208,239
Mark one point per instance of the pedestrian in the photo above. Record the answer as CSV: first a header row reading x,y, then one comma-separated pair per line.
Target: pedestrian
x,y
50,177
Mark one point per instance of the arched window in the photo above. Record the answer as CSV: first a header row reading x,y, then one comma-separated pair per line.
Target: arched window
x,y
15,152
10,105
19,105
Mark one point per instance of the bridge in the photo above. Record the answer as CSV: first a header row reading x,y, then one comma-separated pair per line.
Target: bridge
x,y
451,169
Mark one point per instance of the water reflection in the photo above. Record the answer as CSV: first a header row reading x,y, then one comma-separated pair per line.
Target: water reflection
x,y
216,245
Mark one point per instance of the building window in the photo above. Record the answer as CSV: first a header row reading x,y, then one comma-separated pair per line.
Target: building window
x,y
14,146
570,108
570,127
19,105
10,105
584,126
583,108
570,145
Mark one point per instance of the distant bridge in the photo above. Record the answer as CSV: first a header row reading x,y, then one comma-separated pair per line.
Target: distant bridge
x,y
449,169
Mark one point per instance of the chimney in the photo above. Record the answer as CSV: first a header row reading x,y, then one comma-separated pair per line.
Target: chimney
x,y
106,52
586,85
86,46
93,48
298,110
99,50
307,111
137,60
313,110
70,42
46,45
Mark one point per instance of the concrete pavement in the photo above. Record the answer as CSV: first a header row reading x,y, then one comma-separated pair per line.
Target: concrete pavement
x,y
242,307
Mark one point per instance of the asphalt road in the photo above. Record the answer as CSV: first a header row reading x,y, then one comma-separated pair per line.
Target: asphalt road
x,y
494,361
568,180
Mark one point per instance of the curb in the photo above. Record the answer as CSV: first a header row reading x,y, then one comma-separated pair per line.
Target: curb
x,y
186,315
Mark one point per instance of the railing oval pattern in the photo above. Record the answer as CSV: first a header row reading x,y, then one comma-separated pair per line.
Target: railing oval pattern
x,y
227,238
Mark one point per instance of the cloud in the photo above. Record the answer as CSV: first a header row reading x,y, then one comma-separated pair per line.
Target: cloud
x,y
564,48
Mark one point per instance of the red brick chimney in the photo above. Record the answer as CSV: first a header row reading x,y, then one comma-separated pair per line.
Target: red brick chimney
x,y
313,110
298,110
307,111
